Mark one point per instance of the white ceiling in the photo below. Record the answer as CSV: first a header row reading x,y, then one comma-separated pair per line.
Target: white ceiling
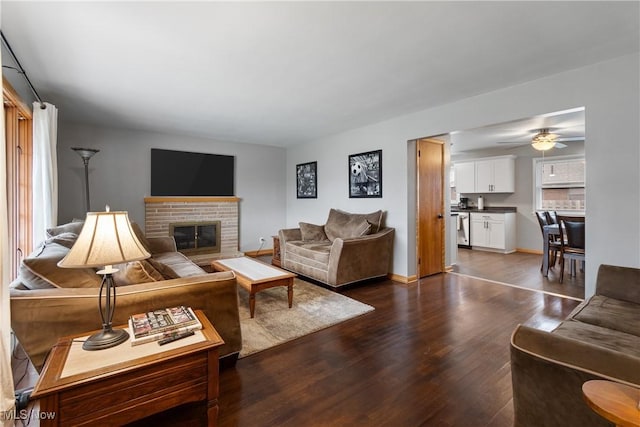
x,y
283,73
568,125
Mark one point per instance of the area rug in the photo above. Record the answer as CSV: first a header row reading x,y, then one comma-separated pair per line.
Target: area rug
x,y
274,323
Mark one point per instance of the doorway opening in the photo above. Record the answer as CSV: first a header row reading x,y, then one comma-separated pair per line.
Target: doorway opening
x,y
521,268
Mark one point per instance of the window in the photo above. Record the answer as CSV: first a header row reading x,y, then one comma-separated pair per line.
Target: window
x,y
18,128
559,184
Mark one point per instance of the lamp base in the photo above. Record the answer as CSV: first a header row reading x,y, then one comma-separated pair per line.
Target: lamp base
x,y
105,339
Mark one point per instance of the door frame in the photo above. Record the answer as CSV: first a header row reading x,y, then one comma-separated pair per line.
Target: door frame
x,y
434,139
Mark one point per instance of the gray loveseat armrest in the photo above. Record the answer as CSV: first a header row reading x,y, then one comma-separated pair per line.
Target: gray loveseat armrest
x,y
621,283
288,235
360,258
548,370
40,317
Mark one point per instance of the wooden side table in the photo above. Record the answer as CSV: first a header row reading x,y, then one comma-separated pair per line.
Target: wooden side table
x,y
276,260
127,383
616,402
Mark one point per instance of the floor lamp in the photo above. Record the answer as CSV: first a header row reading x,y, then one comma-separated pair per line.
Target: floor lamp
x,y
86,154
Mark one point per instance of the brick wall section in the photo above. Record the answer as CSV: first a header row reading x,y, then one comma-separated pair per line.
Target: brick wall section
x,y
160,212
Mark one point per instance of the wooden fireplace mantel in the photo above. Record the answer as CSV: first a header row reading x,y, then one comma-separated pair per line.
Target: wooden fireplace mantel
x,y
190,199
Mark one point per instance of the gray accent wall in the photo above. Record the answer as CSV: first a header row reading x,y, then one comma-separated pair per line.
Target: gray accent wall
x,y
120,176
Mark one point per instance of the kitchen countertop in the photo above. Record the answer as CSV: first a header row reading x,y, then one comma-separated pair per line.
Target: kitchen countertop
x,y
487,209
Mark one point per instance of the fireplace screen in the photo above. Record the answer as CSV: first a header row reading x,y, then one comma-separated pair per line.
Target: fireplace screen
x,y
196,237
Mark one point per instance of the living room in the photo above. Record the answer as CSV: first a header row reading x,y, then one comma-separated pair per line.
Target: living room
x,y
603,80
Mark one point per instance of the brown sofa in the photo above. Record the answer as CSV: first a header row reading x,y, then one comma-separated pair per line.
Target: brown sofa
x,y
347,248
600,339
48,302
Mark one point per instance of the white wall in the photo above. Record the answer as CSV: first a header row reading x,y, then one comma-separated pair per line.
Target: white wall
x,y
120,175
333,181
610,93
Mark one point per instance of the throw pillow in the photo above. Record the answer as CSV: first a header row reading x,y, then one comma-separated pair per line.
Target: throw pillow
x,y
132,273
71,227
66,239
361,229
345,225
40,270
166,271
375,219
312,232
356,229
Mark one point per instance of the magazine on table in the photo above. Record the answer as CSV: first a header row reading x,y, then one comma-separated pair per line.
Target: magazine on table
x,y
162,323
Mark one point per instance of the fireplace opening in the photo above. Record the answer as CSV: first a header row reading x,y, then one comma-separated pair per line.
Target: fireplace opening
x,y
196,237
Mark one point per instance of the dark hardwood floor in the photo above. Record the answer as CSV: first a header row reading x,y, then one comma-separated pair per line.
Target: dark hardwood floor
x,y
519,269
433,353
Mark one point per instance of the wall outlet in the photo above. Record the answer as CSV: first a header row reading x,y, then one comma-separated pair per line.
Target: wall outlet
x,y
261,240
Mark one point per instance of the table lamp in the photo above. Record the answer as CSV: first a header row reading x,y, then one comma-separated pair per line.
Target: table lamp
x,y
105,239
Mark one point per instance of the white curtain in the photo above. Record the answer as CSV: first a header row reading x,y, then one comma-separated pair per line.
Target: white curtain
x,y
7,397
45,170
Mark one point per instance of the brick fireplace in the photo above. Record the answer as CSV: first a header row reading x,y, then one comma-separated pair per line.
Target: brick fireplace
x,y
163,213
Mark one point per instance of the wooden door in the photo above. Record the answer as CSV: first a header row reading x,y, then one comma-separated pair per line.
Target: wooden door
x,y
430,207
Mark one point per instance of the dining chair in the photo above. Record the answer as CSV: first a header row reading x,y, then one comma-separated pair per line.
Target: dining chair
x,y
572,232
553,244
552,217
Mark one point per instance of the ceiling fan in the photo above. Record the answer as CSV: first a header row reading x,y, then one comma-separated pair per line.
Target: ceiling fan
x,y
544,140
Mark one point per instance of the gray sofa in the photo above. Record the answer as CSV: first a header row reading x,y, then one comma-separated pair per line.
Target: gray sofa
x,y
600,339
49,302
347,248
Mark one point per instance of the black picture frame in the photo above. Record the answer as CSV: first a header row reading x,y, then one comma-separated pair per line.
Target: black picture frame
x,y
307,180
365,174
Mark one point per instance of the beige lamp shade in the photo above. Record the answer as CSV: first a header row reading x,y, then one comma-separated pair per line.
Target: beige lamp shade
x,y
106,239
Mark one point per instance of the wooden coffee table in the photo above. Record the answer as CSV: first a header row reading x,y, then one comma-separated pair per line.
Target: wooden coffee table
x,y
256,276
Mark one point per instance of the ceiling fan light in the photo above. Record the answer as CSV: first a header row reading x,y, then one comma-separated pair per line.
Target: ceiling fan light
x,y
544,141
543,145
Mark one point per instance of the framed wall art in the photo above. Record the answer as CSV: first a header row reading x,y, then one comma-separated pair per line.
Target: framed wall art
x,y
365,174
307,180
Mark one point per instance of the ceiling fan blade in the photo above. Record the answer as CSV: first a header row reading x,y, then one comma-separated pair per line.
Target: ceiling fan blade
x,y
514,145
560,145
571,138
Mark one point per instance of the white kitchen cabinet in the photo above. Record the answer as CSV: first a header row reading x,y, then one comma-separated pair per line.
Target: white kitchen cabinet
x,y
495,175
487,175
465,173
494,231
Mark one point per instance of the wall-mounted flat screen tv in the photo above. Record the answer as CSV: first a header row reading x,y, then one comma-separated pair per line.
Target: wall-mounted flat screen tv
x,y
181,173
